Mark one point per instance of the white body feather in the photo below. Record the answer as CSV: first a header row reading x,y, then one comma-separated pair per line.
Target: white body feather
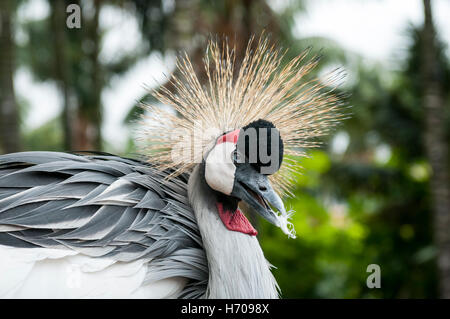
x,y
57,273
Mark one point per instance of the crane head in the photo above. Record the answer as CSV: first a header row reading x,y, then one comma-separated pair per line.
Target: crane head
x,y
238,166
218,124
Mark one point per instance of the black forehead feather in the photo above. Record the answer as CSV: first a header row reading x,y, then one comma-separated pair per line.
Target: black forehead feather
x,y
262,127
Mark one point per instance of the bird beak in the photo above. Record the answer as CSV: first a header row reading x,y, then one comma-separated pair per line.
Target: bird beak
x,y
256,190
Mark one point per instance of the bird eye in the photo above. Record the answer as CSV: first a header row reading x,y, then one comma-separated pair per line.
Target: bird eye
x,y
236,157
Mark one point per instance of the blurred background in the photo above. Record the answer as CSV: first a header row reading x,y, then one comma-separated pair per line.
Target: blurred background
x,y
377,192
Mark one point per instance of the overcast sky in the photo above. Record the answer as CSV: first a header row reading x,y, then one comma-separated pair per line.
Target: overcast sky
x,y
372,28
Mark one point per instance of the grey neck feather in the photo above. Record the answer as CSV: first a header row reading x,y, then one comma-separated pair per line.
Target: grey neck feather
x,y
237,266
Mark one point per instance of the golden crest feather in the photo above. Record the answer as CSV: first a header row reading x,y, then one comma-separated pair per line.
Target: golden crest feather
x,y
261,87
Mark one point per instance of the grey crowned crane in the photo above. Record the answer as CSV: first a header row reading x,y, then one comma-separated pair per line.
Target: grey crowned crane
x,y
170,225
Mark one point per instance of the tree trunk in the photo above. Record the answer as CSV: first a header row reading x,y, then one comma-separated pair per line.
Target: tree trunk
x,y
89,117
61,67
436,148
96,115
9,125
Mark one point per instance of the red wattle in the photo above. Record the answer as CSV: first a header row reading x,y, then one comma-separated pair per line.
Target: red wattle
x,y
235,221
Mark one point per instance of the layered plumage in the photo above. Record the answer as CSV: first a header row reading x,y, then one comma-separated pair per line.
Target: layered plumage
x,y
119,212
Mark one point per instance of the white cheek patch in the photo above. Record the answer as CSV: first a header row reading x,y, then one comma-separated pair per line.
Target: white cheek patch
x,y
219,168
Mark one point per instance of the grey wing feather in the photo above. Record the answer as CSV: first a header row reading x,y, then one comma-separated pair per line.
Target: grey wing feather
x,y
102,206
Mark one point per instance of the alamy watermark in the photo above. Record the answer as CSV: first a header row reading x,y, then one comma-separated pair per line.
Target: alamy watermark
x,y
73,20
73,279
374,279
254,145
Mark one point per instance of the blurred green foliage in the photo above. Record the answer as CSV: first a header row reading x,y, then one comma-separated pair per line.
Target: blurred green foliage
x,y
358,208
